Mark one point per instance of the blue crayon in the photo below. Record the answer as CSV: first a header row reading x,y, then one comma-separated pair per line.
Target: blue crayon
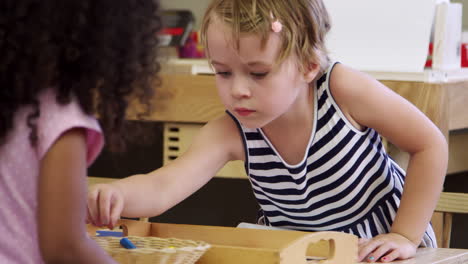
x,y
126,243
105,233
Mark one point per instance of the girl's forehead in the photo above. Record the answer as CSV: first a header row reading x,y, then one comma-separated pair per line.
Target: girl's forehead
x,y
222,45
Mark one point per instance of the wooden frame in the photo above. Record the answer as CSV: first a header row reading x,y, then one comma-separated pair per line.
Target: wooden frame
x,y
253,246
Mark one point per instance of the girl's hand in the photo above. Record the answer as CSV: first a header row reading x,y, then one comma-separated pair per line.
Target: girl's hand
x,y
386,248
105,205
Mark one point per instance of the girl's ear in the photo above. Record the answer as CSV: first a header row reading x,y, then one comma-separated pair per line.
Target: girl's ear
x,y
311,72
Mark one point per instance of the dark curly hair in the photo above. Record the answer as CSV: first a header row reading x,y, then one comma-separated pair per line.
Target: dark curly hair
x,y
103,52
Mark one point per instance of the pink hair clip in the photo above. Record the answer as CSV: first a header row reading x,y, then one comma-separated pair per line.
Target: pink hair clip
x,y
276,26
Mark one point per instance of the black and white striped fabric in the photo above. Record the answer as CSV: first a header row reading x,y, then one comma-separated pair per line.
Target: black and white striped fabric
x,y
346,181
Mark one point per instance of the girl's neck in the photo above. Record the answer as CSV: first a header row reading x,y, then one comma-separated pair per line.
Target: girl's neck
x,y
291,133
300,113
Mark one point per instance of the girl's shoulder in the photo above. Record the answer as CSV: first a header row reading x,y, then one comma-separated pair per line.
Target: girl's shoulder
x,y
345,82
352,91
56,118
350,86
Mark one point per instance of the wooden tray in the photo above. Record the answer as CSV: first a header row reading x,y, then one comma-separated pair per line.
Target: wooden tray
x,y
252,246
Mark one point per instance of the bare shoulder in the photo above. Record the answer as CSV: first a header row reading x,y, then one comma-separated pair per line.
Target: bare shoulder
x,y
368,103
347,84
223,134
356,92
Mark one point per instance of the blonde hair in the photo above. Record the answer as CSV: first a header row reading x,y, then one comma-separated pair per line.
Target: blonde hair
x,y
304,25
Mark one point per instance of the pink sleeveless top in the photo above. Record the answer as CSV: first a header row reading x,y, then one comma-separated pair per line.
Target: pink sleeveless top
x,y
19,173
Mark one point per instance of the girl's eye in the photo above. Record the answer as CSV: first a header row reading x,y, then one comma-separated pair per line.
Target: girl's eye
x,y
259,75
223,74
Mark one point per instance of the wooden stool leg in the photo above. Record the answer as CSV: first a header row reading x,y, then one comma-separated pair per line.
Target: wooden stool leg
x,y
447,230
437,222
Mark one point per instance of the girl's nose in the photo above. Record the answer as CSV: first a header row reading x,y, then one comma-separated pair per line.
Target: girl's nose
x,y
240,88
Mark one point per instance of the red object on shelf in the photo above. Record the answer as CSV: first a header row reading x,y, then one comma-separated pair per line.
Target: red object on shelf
x,y
192,48
173,31
464,54
429,56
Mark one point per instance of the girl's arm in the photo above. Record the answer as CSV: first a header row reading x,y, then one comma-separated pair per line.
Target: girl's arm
x,y
369,103
62,204
152,194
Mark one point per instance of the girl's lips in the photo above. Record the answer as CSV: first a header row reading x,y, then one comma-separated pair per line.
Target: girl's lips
x,y
244,111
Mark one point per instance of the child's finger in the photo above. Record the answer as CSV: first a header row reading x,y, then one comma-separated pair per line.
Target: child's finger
x,y
380,251
367,249
89,218
116,210
104,206
393,255
92,206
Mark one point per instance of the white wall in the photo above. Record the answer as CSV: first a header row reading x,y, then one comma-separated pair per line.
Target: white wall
x,y
197,6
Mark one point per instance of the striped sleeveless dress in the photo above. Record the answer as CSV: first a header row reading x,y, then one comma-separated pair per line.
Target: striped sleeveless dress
x,y
346,181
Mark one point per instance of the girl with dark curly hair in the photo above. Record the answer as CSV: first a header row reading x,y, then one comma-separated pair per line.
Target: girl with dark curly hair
x,y
61,63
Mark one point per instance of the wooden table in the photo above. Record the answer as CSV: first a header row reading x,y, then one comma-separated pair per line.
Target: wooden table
x,y
437,256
